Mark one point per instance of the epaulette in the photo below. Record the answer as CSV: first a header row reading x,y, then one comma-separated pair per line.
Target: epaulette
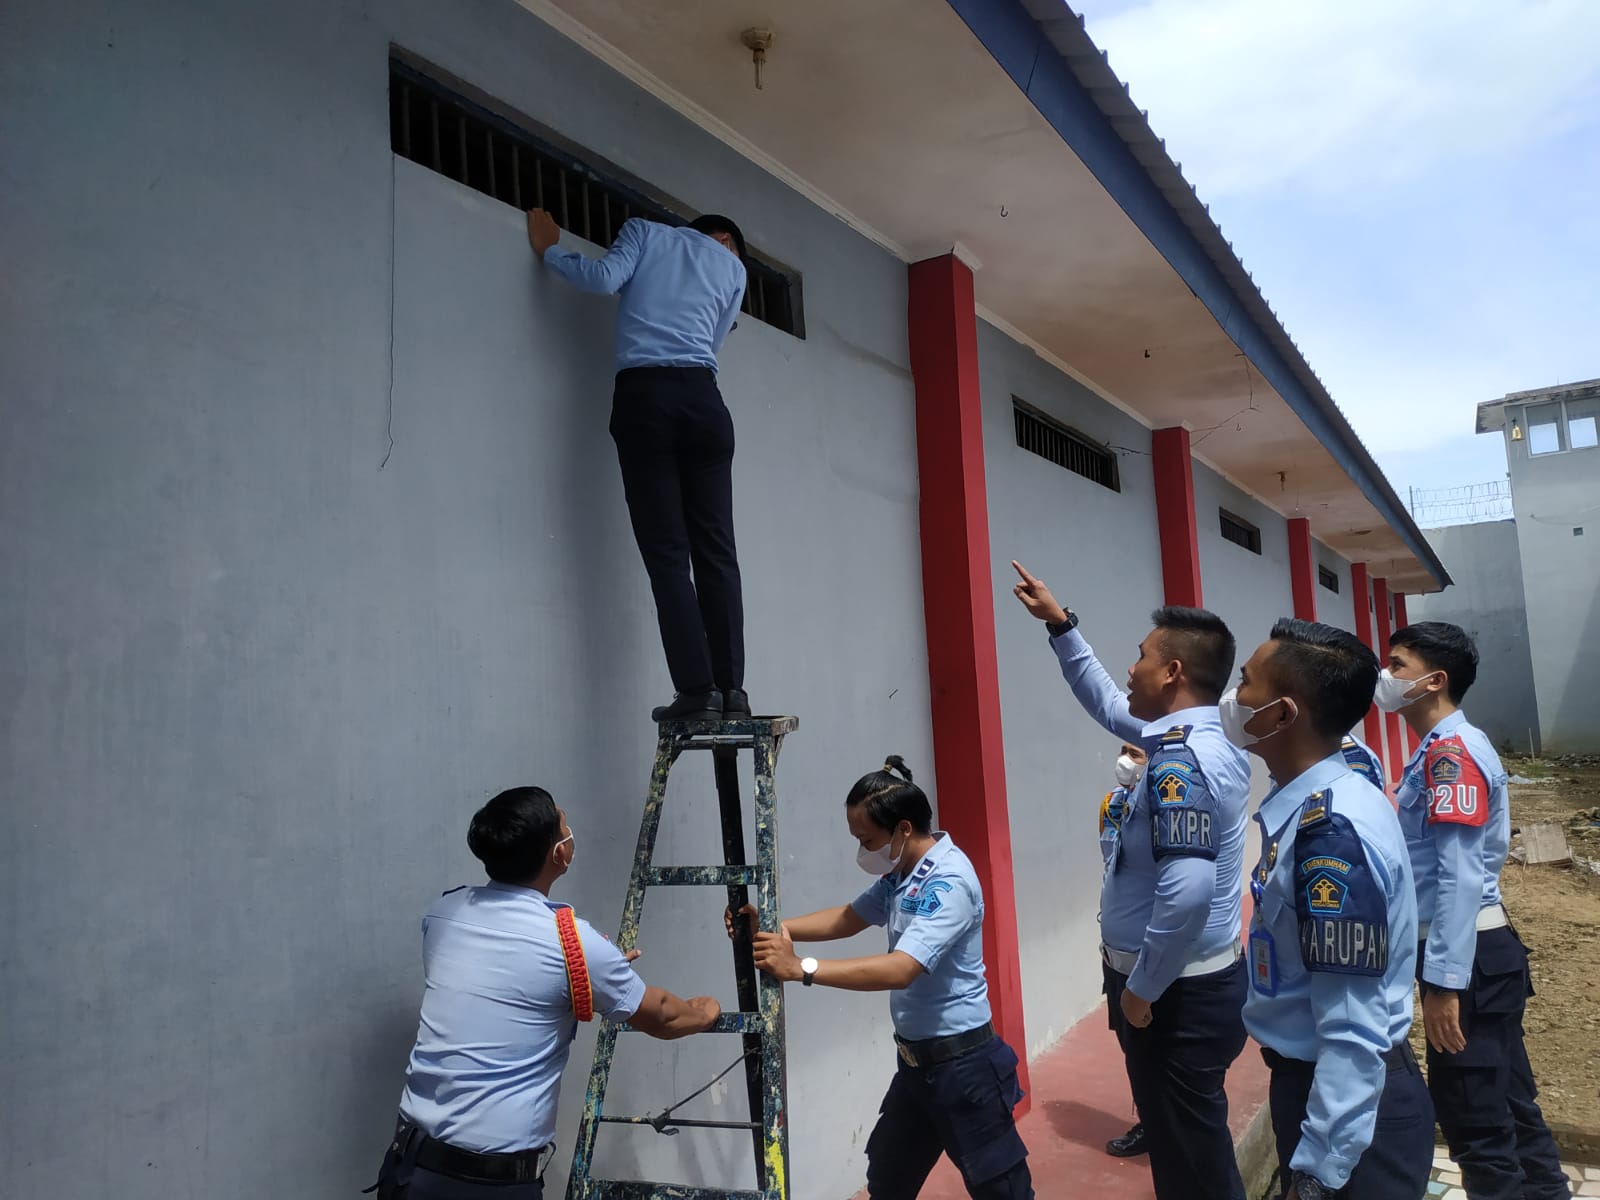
x,y
1317,810
1177,735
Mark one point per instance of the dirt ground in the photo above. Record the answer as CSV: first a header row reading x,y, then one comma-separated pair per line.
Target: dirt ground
x,y
1556,909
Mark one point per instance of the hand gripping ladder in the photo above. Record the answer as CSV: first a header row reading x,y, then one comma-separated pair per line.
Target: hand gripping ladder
x,y
760,1019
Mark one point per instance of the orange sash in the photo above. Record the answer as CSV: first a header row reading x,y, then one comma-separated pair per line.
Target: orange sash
x,y
577,968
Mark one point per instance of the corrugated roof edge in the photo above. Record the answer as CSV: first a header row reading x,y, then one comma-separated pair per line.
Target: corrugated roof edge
x,y
1044,47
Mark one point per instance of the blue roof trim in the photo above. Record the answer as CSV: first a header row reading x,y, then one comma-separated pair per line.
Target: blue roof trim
x,y
1027,53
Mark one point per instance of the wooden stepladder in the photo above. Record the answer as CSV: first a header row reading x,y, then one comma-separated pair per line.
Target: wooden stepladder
x,y
760,1019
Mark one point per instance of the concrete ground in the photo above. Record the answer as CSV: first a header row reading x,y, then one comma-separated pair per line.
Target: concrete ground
x,y
1080,1100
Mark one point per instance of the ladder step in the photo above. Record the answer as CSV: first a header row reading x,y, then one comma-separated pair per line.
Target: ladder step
x,y
637,1189
728,1022
742,727
706,876
684,1122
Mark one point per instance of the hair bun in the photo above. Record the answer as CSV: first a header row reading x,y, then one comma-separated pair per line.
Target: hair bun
x,y
895,765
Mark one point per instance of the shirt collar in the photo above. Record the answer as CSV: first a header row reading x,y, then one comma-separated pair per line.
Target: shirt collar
x,y
1204,714
1447,725
512,889
1281,803
941,847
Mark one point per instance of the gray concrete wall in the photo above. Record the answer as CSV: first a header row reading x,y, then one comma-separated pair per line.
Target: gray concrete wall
x,y
1334,608
1487,601
255,681
1097,550
1248,591
1552,496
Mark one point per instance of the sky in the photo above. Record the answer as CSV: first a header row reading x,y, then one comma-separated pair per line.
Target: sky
x,y
1415,185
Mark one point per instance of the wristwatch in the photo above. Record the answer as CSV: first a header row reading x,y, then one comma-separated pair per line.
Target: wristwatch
x,y
1057,628
808,971
1309,1187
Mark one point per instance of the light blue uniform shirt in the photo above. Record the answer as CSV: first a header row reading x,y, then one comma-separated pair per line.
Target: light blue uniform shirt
x,y
497,1018
1332,951
935,914
681,292
1186,906
1457,831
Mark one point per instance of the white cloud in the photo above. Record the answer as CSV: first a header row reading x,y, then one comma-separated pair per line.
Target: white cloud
x,y
1338,94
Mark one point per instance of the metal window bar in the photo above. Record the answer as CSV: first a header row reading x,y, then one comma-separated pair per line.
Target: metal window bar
x,y
1240,532
583,201
1039,434
1328,579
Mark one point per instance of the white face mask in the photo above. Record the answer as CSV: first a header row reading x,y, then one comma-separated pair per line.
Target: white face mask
x,y
880,861
1128,771
1235,716
1391,696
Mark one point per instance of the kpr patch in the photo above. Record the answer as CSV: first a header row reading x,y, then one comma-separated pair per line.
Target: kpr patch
x,y
1171,784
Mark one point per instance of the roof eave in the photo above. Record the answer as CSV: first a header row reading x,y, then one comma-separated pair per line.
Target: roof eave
x,y
1043,46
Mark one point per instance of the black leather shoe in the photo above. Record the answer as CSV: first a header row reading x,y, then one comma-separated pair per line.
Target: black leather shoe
x,y
695,706
1130,1144
735,704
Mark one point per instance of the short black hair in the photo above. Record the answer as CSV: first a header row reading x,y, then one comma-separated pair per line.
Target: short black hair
x,y
1202,642
513,833
713,223
891,797
1443,647
1331,673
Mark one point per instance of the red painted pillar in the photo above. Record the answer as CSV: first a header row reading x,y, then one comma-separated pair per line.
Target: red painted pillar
x,y
1302,569
1372,725
1400,622
1394,759
1180,540
958,608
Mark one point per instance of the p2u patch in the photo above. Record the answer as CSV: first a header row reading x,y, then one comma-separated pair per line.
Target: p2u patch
x,y
1458,794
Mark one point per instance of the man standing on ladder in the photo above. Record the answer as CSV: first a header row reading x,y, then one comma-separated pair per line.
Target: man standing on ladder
x,y
1170,903
681,290
510,973
956,1086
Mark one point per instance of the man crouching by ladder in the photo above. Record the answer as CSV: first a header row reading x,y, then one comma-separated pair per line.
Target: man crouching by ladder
x,y
510,973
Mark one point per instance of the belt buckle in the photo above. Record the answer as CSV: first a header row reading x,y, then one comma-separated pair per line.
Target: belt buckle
x,y
906,1056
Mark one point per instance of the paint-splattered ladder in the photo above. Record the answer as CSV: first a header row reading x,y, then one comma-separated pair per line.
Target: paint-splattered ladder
x,y
760,1019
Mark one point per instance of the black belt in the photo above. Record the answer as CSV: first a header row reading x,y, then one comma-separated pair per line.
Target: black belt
x,y
518,1166
666,371
1394,1057
930,1052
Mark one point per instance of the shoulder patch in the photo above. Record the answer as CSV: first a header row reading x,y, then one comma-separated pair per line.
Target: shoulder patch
x,y
1361,762
1183,812
1342,910
1458,794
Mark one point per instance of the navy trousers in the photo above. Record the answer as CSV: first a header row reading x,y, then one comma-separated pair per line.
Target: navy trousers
x,y
1176,1068
961,1108
1397,1163
675,446
1485,1096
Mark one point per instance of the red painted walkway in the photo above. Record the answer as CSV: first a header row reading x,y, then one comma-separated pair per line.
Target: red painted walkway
x,y
1080,1099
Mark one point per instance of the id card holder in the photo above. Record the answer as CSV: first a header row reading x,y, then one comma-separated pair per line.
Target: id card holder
x,y
1263,962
